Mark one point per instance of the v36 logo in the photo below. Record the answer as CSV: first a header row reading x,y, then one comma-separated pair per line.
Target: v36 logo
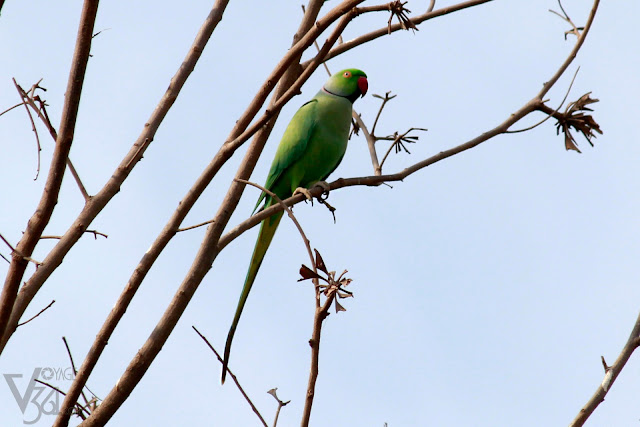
x,y
36,398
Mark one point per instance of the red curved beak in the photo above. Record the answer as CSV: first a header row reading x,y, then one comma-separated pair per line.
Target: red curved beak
x,y
363,85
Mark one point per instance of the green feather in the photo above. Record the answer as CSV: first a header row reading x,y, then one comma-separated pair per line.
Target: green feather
x,y
312,147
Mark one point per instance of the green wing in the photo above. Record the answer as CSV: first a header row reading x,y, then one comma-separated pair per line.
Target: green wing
x,y
292,147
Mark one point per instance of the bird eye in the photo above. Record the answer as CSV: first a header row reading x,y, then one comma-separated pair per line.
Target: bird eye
x,y
347,74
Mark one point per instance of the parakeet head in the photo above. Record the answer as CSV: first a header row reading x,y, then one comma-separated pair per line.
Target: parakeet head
x,y
350,83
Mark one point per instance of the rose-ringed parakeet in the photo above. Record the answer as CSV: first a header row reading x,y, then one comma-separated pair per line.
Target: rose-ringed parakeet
x,y
311,148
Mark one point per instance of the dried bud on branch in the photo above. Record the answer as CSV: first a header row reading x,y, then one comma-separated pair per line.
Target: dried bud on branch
x,y
333,285
574,117
399,11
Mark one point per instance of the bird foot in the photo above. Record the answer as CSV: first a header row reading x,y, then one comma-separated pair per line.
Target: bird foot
x,y
324,184
306,193
325,187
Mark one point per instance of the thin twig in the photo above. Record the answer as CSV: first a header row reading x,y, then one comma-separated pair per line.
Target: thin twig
x,y
272,392
386,99
73,366
6,242
397,142
194,226
287,209
575,30
549,115
11,108
233,377
95,233
371,144
38,314
78,407
24,96
41,111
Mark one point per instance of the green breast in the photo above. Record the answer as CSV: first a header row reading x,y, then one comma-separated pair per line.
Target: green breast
x,y
328,141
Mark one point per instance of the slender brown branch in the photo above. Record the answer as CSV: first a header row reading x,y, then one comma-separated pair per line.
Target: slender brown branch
x,y
371,143
44,210
95,233
194,226
320,314
398,142
73,366
416,20
273,393
234,378
387,97
11,108
16,254
289,213
574,30
550,112
610,375
38,314
6,242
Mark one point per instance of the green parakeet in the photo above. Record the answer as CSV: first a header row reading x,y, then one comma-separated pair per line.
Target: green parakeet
x,y
311,148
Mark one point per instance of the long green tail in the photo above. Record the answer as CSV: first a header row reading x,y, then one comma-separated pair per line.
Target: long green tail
x,y
267,230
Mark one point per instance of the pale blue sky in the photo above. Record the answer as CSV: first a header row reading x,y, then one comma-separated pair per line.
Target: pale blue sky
x,y
486,286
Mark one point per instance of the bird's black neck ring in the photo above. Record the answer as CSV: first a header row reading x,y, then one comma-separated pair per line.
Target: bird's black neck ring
x,y
351,98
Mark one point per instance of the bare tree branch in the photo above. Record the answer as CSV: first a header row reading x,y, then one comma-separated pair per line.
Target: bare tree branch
x,y
95,233
43,212
331,291
610,375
